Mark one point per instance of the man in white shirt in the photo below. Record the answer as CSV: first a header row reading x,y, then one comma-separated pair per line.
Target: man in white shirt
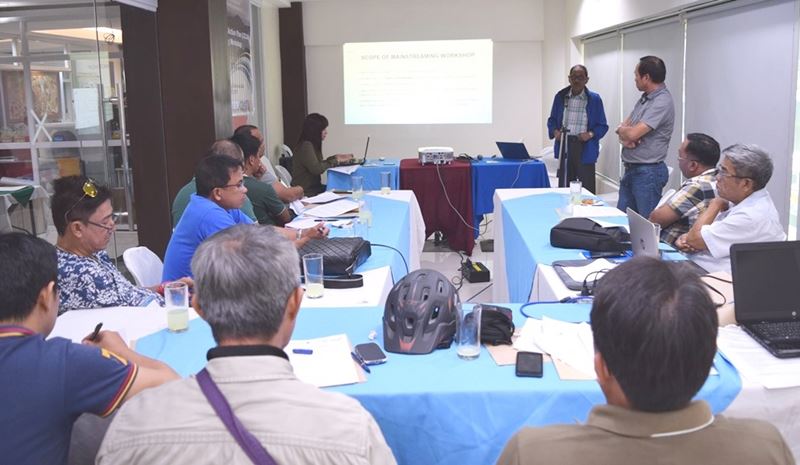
x,y
248,292
742,212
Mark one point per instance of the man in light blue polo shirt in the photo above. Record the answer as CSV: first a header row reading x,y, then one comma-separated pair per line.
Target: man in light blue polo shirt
x,y
645,136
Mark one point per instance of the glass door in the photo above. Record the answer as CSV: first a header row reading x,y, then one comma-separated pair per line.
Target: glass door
x,y
62,93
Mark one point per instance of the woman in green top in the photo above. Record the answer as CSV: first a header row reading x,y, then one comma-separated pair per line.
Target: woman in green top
x,y
307,162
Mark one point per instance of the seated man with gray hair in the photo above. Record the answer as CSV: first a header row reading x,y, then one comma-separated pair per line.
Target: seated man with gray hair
x,y
248,292
742,212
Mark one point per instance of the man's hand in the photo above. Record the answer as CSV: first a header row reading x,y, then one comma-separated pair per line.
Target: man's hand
x,y
683,245
584,136
719,203
557,134
319,231
109,340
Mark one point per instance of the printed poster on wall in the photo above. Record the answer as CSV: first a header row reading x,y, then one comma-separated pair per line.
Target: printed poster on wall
x,y
240,61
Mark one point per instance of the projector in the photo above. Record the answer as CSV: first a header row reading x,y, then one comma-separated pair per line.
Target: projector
x,y
435,155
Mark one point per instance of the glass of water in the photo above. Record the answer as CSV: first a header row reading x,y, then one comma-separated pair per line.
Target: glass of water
x,y
176,298
358,187
312,266
469,331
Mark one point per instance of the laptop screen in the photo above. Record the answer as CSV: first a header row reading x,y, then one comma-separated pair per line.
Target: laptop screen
x,y
766,281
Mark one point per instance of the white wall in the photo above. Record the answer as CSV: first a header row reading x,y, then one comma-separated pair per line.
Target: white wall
x,y
515,26
588,16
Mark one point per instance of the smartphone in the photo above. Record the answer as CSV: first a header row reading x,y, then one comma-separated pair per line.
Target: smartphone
x,y
371,353
529,364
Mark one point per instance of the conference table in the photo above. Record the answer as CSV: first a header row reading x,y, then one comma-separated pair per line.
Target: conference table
x,y
341,178
522,273
437,409
491,174
444,193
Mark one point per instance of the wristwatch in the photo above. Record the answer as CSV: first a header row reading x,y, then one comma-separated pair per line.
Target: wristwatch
x,y
299,234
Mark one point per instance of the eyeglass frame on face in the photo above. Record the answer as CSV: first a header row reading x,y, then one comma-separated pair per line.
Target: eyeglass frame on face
x,y
722,172
114,217
238,185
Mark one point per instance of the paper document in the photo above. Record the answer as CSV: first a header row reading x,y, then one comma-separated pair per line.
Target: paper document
x,y
608,224
324,197
302,223
754,362
131,323
345,169
297,207
332,209
377,284
85,103
328,364
580,273
571,343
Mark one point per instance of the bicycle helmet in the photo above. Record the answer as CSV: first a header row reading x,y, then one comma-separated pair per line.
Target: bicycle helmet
x,y
420,314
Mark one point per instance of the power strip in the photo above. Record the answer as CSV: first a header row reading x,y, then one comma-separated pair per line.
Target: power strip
x,y
475,272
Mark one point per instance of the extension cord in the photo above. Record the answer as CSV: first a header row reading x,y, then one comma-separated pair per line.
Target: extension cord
x,y
475,272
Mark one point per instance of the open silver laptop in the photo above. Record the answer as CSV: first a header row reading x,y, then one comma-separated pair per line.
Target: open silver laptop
x,y
644,235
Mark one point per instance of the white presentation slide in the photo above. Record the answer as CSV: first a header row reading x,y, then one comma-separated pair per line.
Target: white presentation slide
x,y
428,82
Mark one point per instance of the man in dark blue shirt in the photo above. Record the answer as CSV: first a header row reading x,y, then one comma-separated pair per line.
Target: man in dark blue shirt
x,y
46,385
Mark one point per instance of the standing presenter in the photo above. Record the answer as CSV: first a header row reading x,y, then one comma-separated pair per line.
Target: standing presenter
x,y
579,111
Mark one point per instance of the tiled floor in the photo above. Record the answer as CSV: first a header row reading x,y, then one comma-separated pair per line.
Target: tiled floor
x,y
448,263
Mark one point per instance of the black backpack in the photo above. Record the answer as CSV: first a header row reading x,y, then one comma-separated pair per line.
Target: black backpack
x,y
584,233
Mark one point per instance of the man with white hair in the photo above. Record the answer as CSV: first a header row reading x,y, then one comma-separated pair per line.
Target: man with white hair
x,y
248,292
742,212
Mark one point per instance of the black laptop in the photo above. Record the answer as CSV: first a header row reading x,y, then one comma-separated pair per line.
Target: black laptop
x,y
356,161
513,150
766,292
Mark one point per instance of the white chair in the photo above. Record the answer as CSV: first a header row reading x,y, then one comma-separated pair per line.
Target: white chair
x,y
144,265
283,174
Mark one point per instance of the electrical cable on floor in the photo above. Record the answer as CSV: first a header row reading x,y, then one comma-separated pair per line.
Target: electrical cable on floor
x,y
479,292
447,197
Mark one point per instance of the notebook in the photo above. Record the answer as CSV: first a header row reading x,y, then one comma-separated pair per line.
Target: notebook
x,y
767,295
513,150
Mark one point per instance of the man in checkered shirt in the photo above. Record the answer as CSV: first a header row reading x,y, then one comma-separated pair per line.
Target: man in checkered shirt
x,y
698,156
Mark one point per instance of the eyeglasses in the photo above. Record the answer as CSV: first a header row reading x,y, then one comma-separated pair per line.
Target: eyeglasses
x,y
111,219
238,185
722,172
89,190
577,78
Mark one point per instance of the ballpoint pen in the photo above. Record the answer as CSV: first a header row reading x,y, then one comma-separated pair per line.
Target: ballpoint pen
x,y
96,331
360,361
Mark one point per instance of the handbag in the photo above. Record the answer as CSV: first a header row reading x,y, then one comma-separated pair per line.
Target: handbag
x,y
584,233
340,255
252,447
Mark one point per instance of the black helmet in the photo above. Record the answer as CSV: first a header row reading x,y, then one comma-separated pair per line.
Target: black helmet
x,y
420,314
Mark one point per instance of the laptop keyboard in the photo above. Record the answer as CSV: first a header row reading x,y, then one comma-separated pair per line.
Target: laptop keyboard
x,y
781,330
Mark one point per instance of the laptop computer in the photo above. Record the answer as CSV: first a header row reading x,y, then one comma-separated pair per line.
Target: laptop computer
x,y
513,150
767,295
644,235
357,161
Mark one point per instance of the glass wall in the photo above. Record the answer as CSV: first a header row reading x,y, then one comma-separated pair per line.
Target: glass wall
x,y
61,89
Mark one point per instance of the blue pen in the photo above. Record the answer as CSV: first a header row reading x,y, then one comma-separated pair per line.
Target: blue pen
x,y
360,361
303,351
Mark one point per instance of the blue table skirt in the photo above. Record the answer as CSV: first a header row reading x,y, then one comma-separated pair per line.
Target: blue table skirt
x,y
436,408
488,175
371,171
526,232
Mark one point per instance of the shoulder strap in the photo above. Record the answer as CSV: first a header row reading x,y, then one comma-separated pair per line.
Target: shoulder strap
x,y
251,446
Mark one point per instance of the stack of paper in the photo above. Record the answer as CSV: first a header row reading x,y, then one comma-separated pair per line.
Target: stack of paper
x,y
755,362
324,197
349,169
332,209
324,361
571,343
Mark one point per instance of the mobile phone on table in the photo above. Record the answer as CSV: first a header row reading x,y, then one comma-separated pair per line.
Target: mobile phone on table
x,y
606,254
529,364
371,353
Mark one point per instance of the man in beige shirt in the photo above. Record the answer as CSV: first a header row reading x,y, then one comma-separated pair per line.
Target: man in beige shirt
x,y
655,330
247,291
